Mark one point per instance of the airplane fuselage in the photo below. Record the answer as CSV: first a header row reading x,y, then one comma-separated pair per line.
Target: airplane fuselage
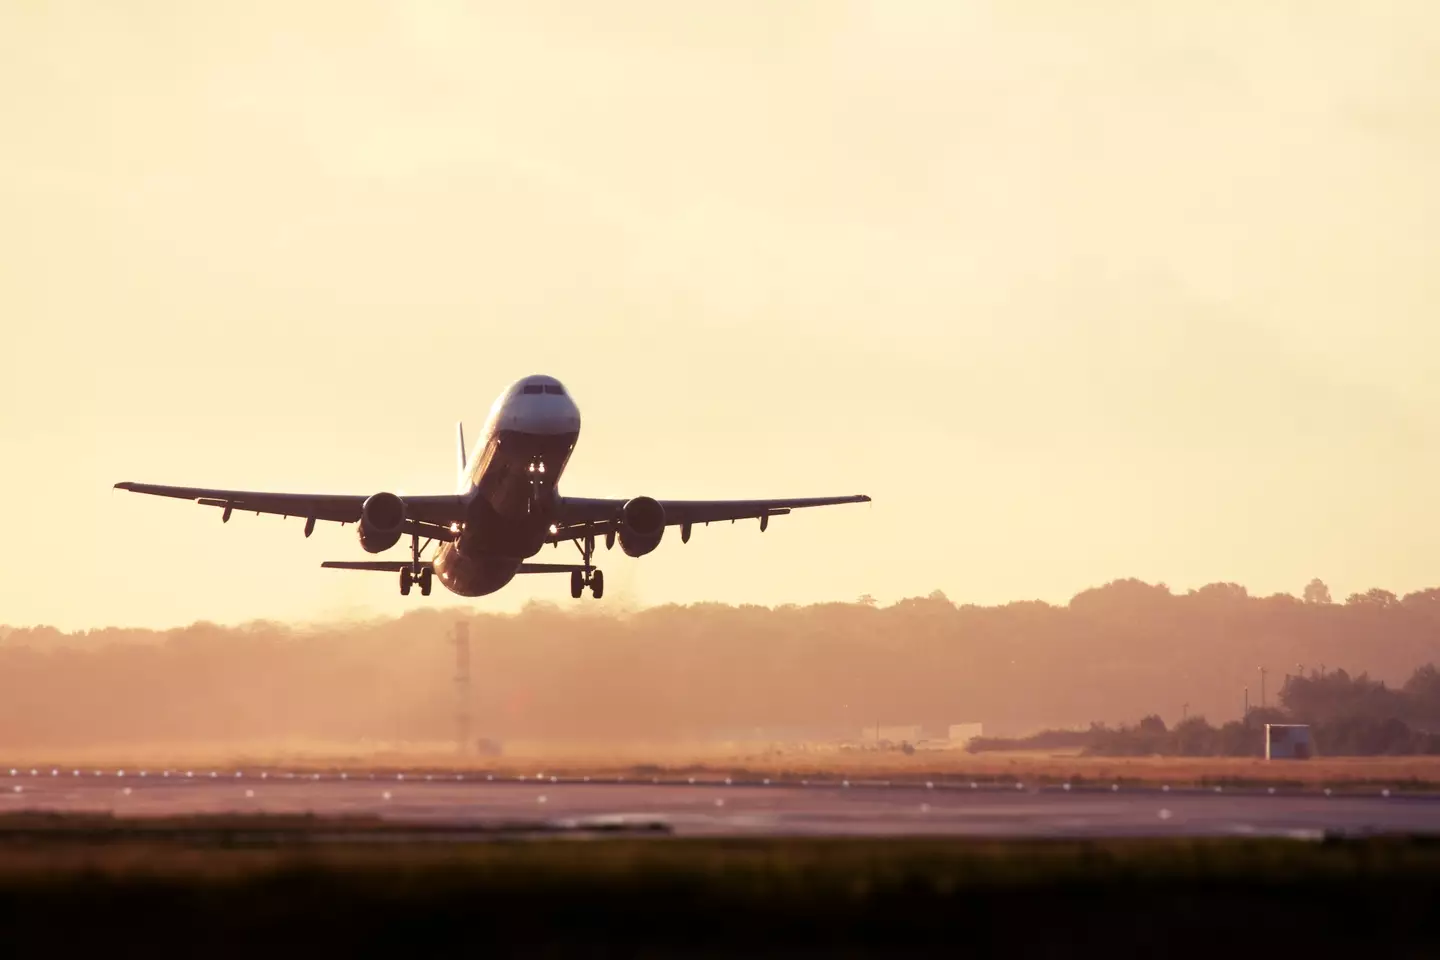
x,y
510,486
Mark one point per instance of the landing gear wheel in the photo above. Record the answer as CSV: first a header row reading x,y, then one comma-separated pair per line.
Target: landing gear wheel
x,y
405,582
425,580
597,584
577,584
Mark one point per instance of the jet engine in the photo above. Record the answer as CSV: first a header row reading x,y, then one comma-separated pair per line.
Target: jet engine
x,y
642,524
380,520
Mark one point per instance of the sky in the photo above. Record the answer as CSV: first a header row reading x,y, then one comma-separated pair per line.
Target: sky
x,y
1075,292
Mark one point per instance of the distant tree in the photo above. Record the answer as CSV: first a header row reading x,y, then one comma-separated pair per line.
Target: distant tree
x,y
1222,591
1152,724
866,600
1317,592
1374,597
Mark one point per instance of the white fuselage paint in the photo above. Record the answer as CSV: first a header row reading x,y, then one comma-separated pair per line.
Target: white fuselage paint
x,y
509,486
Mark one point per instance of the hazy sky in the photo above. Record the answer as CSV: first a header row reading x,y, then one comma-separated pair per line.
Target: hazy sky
x,y
1074,291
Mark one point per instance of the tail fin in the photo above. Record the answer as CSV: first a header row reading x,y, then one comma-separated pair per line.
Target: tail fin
x,y
461,479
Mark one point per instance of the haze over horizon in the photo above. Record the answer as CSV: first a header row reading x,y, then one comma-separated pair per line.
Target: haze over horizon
x,y
1075,294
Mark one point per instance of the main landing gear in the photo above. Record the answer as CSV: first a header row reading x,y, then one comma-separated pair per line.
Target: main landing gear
x,y
416,573
588,577
409,578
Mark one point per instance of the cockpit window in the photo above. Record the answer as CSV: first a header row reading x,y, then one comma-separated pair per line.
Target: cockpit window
x,y
534,388
555,388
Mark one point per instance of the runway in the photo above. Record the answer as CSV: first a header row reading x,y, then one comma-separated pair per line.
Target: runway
x,y
720,807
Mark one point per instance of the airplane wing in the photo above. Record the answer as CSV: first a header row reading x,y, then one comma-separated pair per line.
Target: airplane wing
x,y
432,511
580,515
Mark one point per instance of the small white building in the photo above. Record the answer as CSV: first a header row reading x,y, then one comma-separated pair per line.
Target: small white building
x,y
1287,741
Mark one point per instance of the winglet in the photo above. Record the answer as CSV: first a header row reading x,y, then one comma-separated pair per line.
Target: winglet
x,y
460,449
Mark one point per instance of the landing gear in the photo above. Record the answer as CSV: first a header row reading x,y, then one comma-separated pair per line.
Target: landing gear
x,y
589,576
409,578
416,572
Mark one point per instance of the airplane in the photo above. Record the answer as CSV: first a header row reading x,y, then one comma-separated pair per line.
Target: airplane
x,y
508,506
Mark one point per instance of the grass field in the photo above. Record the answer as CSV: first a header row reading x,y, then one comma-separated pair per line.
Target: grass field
x,y
815,762
227,887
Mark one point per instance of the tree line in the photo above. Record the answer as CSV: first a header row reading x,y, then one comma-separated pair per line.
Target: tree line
x,y
1348,716
709,671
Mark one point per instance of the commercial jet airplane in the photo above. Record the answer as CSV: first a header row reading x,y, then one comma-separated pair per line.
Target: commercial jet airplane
x,y
507,508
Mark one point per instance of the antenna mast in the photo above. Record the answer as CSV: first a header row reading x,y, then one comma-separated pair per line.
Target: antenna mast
x,y
461,640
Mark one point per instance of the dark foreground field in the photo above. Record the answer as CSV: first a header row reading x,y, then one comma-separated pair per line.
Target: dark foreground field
x,y
228,887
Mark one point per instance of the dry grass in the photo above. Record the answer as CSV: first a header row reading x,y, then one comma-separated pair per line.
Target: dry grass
x,y
815,761
723,898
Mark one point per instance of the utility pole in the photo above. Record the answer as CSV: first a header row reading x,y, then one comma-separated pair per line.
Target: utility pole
x,y
1262,688
461,640
1247,705
1184,710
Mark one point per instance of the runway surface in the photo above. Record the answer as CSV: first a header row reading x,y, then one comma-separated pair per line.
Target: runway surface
x,y
717,807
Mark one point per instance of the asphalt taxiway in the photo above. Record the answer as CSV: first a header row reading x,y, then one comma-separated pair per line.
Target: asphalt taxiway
x,y
721,807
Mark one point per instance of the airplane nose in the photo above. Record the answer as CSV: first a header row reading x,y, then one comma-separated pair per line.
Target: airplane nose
x,y
548,416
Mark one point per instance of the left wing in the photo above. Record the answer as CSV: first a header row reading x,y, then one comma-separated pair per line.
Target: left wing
x,y
432,511
579,515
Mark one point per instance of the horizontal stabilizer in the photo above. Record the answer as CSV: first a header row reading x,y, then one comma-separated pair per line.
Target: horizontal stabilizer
x,y
551,568
395,566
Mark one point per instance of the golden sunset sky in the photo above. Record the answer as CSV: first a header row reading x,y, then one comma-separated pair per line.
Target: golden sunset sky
x,y
1075,291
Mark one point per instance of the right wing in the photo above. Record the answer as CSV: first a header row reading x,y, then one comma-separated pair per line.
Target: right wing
x,y
432,511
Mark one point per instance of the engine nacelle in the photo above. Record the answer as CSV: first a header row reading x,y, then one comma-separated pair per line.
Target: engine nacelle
x,y
380,520
642,524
